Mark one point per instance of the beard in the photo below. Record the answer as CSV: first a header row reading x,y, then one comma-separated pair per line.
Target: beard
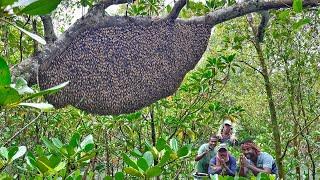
x,y
249,155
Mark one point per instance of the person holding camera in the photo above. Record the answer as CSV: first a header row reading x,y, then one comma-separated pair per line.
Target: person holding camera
x,y
205,153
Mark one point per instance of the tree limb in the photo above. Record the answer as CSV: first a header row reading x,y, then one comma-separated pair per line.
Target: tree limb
x,y
296,135
49,34
225,14
103,4
176,10
265,16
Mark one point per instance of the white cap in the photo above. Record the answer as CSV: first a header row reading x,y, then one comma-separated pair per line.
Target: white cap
x,y
227,121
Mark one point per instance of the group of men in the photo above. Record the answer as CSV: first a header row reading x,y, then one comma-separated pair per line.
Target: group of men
x,y
214,158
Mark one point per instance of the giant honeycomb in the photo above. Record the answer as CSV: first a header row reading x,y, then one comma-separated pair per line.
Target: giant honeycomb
x,y
117,68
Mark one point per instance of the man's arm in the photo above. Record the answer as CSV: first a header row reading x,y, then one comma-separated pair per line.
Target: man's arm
x,y
233,167
256,170
200,156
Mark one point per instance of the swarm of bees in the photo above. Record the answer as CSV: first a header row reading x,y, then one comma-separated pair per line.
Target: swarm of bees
x,y
120,68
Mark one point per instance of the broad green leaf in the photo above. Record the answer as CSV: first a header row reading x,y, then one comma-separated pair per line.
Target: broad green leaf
x,y
5,3
57,142
301,23
129,162
154,171
174,144
127,130
43,164
21,86
33,36
142,163
88,140
21,151
133,172
4,152
23,3
136,153
8,96
54,160
41,7
31,160
49,145
60,166
148,157
5,78
75,140
184,151
165,158
119,176
297,5
41,106
105,178
87,157
12,151
47,91
161,144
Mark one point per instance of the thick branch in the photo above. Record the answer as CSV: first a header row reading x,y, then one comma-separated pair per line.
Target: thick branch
x,y
265,16
176,10
103,4
241,9
49,34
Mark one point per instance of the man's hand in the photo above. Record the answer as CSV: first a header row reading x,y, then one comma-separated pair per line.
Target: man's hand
x,y
243,161
223,163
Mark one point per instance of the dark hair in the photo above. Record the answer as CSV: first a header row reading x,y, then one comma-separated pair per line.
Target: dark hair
x,y
214,136
247,141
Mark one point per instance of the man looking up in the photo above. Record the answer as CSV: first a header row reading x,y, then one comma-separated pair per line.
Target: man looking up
x,y
255,160
205,153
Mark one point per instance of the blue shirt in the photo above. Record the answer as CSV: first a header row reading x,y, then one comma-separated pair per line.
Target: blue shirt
x,y
232,165
265,160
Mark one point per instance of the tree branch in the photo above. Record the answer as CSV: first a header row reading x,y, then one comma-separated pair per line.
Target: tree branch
x,y
265,16
241,9
21,130
103,4
49,34
296,135
176,10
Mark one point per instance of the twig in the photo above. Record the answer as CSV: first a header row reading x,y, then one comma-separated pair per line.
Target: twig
x,y
176,10
21,130
296,135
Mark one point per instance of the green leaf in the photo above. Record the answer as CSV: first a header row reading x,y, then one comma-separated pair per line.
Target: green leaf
x,y
43,164
87,143
41,7
142,163
119,176
87,157
75,140
47,91
20,152
184,151
161,144
42,106
148,157
21,86
133,172
4,152
165,158
54,160
57,142
174,144
129,162
8,96
297,5
33,36
5,3
154,171
23,3
136,153
60,166
5,78
301,23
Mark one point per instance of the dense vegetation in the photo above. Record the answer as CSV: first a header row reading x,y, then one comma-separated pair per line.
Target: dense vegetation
x,y
270,89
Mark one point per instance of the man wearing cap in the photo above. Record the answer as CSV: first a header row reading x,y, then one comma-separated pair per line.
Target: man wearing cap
x,y
205,153
223,163
226,133
255,160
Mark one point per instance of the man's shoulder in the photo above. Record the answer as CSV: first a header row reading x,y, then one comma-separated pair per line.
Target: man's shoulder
x,y
264,155
205,145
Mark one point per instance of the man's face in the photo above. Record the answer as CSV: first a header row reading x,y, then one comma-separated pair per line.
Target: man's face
x,y
227,128
213,143
249,153
223,153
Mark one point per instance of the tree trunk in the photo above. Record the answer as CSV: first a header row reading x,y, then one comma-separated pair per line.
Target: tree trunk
x,y
272,109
